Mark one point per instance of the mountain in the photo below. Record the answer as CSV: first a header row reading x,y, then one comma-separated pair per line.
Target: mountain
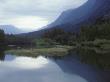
x,y
72,19
9,29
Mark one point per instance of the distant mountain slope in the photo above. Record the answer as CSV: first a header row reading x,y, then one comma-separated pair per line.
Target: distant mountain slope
x,y
86,14
72,19
9,29
74,16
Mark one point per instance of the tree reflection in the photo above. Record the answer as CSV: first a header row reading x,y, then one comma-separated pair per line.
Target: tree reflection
x,y
2,55
96,57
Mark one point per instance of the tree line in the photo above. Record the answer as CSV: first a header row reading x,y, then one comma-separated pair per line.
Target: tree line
x,y
19,41
2,37
99,30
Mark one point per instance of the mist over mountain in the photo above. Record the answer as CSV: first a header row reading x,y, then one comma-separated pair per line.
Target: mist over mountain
x,y
72,19
10,29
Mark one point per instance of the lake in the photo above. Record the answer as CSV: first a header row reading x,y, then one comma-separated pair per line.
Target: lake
x,y
45,69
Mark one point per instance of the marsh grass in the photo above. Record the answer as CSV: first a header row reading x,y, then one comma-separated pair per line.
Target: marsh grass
x,y
55,51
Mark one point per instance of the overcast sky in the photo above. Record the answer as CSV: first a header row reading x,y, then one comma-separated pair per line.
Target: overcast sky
x,y
33,14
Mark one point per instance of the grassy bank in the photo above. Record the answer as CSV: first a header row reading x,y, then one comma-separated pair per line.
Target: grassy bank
x,y
99,44
95,55
55,51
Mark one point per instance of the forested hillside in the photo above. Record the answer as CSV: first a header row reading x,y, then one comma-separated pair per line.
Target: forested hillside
x,y
2,39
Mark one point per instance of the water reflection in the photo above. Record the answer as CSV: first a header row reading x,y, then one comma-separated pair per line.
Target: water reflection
x,y
40,69
2,55
93,56
94,62
46,69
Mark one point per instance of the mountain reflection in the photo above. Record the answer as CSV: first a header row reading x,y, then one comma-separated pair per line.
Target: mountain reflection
x,y
40,69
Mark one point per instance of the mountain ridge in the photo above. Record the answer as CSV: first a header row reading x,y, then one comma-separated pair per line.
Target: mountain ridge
x,y
89,12
10,29
72,19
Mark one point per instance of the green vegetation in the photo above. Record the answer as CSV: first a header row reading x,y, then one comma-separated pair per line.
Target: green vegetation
x,y
15,42
93,32
44,43
92,43
60,36
2,37
2,44
2,40
55,51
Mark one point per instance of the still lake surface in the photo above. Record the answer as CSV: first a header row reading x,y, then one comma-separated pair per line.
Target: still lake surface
x,y
43,69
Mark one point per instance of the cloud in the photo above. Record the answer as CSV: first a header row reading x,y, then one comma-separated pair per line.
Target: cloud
x,y
47,9
40,5
28,23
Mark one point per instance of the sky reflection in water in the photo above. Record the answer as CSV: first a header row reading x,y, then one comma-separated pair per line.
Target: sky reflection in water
x,y
40,69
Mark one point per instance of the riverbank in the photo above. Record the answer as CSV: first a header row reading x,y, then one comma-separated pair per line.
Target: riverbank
x,y
94,55
99,46
54,51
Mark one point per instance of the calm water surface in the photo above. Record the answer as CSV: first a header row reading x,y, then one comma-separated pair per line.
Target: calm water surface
x,y
41,69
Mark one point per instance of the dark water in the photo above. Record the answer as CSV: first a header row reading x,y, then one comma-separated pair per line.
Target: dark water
x,y
42,69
